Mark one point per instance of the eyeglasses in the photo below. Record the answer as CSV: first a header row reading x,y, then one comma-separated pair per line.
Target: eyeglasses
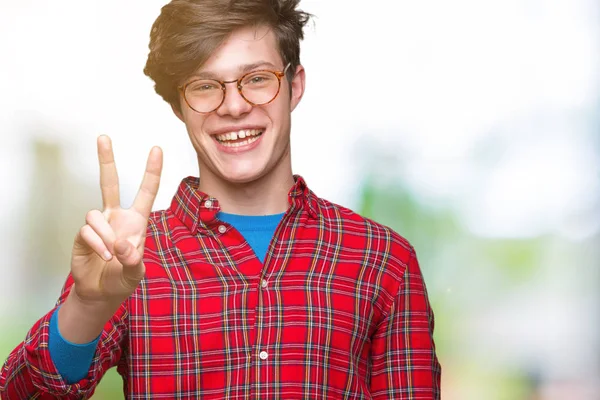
x,y
256,87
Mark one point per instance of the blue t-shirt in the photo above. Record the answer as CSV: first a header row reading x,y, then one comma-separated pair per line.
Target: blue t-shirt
x,y
257,230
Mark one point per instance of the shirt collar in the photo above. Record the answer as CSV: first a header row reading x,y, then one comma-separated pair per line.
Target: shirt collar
x,y
198,210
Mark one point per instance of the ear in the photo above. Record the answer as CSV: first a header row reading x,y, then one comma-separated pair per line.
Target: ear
x,y
177,111
298,83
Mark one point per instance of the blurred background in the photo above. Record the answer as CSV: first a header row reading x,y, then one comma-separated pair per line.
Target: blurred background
x,y
470,127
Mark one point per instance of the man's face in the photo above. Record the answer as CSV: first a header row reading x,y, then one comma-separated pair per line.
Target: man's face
x,y
266,145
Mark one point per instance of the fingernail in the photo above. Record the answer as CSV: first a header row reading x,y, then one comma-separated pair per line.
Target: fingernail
x,y
107,255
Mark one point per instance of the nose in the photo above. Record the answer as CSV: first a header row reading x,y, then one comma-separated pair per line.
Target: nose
x,y
234,104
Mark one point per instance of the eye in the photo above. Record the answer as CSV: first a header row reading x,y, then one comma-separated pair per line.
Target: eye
x,y
203,86
257,79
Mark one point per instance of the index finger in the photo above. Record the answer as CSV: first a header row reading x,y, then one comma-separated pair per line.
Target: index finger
x,y
149,188
109,180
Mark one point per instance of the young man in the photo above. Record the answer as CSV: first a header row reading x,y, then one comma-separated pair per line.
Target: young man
x,y
248,286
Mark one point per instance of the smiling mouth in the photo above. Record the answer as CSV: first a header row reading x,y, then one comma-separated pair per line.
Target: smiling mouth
x,y
240,138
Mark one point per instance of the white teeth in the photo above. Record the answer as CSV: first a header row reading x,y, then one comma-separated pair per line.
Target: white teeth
x,y
239,144
231,136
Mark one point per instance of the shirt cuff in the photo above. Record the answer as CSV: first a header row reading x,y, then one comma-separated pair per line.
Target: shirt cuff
x,y
72,361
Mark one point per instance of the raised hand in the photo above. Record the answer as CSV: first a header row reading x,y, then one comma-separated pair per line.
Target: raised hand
x,y
107,258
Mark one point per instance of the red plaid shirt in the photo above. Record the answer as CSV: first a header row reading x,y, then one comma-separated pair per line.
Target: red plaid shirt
x,y
339,309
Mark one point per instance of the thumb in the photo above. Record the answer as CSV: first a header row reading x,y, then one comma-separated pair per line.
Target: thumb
x,y
133,267
126,253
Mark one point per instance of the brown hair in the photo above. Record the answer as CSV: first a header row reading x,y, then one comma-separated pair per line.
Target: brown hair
x,y
187,32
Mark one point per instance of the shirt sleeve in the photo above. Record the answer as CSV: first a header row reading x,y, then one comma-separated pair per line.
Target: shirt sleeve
x,y
29,371
403,358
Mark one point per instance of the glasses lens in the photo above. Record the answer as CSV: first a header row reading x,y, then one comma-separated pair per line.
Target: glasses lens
x,y
260,87
204,95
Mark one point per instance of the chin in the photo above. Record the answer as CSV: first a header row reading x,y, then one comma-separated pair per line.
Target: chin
x,y
242,177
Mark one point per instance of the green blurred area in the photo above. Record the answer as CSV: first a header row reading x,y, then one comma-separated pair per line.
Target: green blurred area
x,y
50,226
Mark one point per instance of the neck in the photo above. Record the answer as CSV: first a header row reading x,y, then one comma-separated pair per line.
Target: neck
x,y
267,195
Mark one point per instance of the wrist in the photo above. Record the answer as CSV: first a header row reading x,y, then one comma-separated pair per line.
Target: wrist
x,y
81,322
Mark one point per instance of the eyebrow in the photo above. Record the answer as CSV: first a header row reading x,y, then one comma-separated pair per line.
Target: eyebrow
x,y
242,69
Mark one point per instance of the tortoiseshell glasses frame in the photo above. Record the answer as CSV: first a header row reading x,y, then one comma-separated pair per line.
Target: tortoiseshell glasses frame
x,y
264,89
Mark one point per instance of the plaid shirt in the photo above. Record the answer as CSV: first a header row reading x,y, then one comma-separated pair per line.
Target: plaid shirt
x,y
338,310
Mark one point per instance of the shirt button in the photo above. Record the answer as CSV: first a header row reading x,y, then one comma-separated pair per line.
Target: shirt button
x,y
264,283
208,203
222,228
263,355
